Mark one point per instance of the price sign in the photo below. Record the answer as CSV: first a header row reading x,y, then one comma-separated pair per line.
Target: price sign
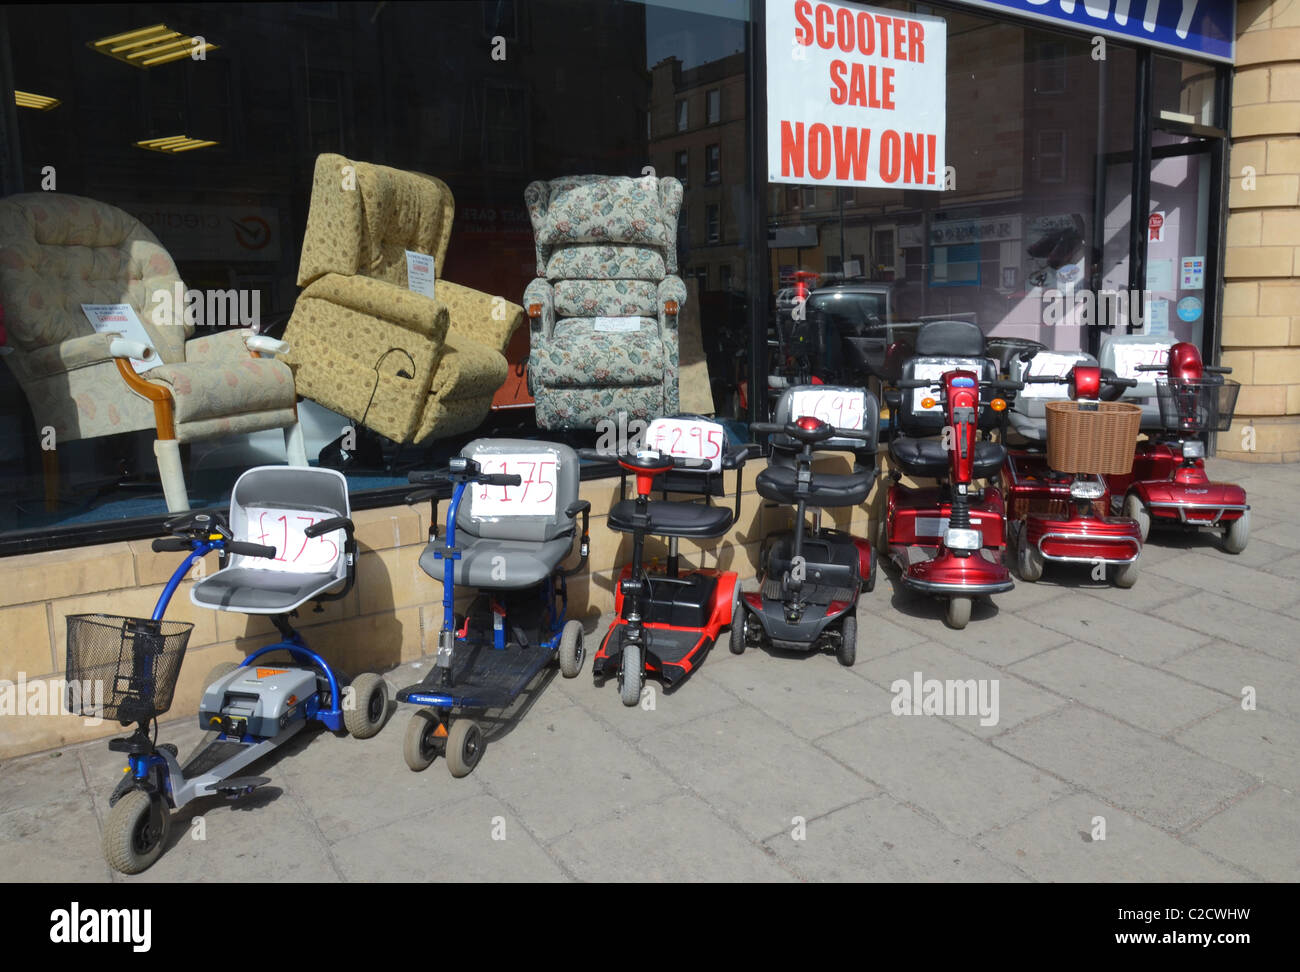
x,y
688,439
534,496
1129,356
844,409
933,371
1050,363
295,552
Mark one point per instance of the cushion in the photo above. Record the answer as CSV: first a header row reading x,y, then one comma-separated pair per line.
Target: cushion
x,y
614,298
594,209
578,356
591,261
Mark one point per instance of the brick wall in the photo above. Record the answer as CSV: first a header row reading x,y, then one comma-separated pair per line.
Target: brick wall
x,y
1261,312
391,616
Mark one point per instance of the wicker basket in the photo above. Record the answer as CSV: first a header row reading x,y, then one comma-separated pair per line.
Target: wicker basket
x,y
1092,437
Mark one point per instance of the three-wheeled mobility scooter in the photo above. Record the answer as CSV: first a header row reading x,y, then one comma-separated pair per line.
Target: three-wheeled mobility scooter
x,y
666,621
288,541
511,522
810,578
1168,485
947,539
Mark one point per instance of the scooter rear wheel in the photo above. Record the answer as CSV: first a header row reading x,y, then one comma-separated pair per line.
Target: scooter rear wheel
x,y
1029,559
1237,534
959,607
846,652
631,673
130,844
422,744
464,747
1127,575
369,697
736,640
573,651
1135,509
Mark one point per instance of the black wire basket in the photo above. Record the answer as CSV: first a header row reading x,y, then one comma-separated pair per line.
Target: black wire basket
x,y
1197,404
123,668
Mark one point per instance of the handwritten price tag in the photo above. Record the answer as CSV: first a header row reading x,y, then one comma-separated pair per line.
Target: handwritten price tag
x,y
534,496
1129,356
931,371
1049,363
834,406
687,439
294,551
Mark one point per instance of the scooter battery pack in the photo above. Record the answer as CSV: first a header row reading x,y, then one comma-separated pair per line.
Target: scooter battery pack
x,y
261,698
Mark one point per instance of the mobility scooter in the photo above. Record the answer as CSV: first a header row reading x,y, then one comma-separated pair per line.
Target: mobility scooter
x,y
253,707
1057,497
511,522
810,578
666,621
946,540
1168,485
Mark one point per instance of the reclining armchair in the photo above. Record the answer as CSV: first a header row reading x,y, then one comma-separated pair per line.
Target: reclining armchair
x,y
408,366
603,310
59,251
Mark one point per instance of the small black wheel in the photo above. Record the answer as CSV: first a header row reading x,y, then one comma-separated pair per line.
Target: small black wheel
x,y
631,673
958,615
369,706
869,582
422,743
846,652
736,641
464,747
573,650
131,843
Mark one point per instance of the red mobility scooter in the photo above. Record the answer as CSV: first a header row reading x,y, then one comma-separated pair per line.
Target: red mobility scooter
x,y
1168,485
810,578
947,539
667,620
1057,498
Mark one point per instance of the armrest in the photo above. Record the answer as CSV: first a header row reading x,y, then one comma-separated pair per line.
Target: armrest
x,y
736,457
584,544
120,347
539,302
672,299
385,301
267,345
69,355
329,526
489,319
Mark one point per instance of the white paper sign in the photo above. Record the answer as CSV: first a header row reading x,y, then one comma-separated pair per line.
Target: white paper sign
x,y
122,319
688,439
1157,319
856,96
1129,356
834,406
934,370
534,496
421,274
1050,363
1160,275
616,325
294,552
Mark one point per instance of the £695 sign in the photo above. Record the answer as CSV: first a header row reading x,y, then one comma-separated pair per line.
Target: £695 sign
x,y
855,96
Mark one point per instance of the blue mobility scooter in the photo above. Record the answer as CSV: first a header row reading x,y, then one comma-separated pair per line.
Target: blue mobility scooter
x,y
511,522
288,541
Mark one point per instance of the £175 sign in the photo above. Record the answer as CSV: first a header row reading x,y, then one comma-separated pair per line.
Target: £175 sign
x,y
855,96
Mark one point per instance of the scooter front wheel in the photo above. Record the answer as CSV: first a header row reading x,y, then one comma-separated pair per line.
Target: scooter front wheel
x,y
573,651
958,616
1029,559
422,743
131,842
631,673
1136,510
1237,533
369,698
1127,575
464,747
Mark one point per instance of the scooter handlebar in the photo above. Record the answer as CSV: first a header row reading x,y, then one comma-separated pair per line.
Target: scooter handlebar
x,y
170,545
249,549
499,479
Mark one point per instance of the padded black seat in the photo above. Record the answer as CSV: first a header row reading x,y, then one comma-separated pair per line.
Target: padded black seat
x,y
928,457
673,519
777,483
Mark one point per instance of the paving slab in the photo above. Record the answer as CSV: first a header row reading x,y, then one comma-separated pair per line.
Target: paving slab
x,y
1230,578
1232,669
1128,632
1262,743
1258,832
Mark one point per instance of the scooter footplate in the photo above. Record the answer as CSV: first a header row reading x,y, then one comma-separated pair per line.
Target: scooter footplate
x,y
666,650
210,757
772,592
481,676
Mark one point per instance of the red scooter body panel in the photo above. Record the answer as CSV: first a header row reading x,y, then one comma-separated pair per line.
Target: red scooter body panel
x,y
919,517
1112,539
957,574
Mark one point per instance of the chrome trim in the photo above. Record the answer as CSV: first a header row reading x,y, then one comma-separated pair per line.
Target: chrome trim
x,y
1182,509
926,587
1077,538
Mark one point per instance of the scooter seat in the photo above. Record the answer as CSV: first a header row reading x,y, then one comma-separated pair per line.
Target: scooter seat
x,y
670,519
928,457
494,564
259,591
779,484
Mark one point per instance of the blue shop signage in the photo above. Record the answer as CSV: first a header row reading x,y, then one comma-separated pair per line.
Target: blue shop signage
x,y
1201,28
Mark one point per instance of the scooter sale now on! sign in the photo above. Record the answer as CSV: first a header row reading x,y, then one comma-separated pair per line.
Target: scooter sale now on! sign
x,y
856,96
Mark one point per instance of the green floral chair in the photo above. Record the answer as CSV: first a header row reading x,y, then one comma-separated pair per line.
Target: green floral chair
x,y
603,310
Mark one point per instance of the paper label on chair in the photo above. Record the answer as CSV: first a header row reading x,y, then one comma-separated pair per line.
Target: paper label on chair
x,y
420,273
616,325
688,439
1057,365
1129,356
534,496
122,319
933,371
295,552
834,406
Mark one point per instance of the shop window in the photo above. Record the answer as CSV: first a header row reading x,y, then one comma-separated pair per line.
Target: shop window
x,y
955,266
713,106
712,165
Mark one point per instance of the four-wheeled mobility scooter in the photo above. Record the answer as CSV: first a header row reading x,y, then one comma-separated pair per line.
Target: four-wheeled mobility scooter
x,y
1167,485
1058,501
810,577
666,621
288,541
947,539
511,523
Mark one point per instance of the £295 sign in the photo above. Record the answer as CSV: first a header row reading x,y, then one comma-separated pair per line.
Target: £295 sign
x,y
855,96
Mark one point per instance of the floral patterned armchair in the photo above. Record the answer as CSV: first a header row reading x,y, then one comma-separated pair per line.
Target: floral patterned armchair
x,y
59,251
408,366
603,309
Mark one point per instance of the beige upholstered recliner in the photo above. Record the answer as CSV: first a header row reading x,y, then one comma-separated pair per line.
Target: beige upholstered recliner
x,y
60,251
408,366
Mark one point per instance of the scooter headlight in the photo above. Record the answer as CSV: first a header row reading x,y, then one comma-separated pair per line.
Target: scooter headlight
x,y
1194,449
1087,490
956,539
